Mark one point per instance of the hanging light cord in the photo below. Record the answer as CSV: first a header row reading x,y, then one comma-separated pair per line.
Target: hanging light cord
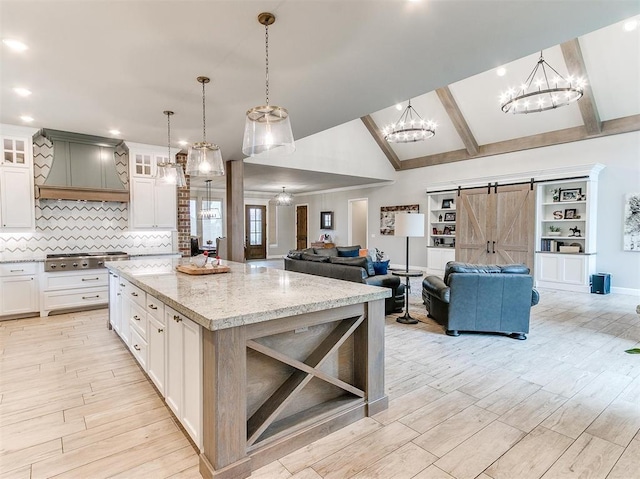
x,y
266,43
204,127
168,137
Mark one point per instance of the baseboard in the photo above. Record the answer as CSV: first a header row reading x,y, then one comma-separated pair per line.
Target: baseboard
x,y
628,291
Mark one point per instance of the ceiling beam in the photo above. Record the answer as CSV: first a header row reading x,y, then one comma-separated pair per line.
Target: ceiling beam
x,y
587,104
382,143
458,120
568,135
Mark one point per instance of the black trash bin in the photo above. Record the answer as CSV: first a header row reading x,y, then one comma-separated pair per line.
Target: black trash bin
x,y
601,283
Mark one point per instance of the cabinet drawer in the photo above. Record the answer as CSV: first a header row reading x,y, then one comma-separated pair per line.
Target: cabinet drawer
x,y
136,295
72,299
16,269
138,319
139,349
54,281
155,308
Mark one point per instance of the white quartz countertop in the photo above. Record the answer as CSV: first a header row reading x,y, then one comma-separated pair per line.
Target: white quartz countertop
x,y
246,295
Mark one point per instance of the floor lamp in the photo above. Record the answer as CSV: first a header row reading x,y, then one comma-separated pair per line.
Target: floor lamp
x,y
409,225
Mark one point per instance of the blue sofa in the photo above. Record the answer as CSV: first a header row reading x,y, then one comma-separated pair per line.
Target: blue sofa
x,y
485,298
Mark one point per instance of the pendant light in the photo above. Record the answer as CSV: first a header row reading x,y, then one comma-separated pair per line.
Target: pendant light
x,y
170,173
410,127
204,159
267,127
209,212
283,198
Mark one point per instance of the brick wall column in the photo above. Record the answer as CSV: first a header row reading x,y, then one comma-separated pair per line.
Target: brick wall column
x,y
184,217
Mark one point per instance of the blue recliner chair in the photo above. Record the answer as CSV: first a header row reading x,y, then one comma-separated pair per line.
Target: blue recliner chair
x,y
485,298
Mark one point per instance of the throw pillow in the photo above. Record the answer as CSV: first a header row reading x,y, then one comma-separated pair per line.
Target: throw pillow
x,y
348,251
326,251
380,267
315,257
294,254
360,261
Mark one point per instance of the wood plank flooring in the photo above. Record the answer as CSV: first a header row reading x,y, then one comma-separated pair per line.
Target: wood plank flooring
x,y
565,403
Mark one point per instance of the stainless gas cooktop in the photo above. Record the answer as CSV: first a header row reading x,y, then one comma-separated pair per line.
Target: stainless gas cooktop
x,y
74,261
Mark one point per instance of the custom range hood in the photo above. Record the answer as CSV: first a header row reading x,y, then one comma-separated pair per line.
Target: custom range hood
x,y
83,168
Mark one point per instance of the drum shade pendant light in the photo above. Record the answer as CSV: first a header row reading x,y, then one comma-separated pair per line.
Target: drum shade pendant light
x,y
410,127
204,159
283,198
541,91
170,173
267,127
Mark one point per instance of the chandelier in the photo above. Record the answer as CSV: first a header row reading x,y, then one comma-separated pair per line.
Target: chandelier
x,y
209,212
267,127
168,172
204,159
283,198
539,92
410,127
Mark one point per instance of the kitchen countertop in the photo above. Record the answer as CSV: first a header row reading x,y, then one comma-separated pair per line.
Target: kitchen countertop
x,y
40,257
246,295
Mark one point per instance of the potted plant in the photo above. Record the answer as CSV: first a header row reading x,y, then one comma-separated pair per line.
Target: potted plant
x,y
554,231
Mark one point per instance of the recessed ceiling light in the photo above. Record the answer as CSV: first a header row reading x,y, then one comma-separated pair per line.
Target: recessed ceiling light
x,y
502,71
398,106
15,44
630,25
22,91
26,118
114,132
183,143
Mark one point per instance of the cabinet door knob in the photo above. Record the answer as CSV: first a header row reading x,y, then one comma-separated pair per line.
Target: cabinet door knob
x,y
153,306
160,330
122,284
136,317
134,294
177,318
136,347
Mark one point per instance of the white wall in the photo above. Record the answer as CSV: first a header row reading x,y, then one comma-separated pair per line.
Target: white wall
x,y
619,153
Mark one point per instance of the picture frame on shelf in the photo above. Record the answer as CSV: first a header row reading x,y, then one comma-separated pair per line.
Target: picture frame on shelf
x,y
446,230
434,231
570,194
450,216
570,214
446,204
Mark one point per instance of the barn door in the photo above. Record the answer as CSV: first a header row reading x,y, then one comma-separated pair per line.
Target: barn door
x,y
514,225
473,226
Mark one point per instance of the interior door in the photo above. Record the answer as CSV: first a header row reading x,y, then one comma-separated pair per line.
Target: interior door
x,y
473,226
514,225
301,227
256,228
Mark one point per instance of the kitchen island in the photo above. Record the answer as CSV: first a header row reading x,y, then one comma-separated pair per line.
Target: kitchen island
x,y
257,362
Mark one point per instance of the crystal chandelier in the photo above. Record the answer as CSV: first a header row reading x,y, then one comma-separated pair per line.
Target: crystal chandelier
x,y
267,127
168,172
209,212
410,127
539,92
283,198
204,159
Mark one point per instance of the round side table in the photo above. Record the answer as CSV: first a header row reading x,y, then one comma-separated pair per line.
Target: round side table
x,y
406,318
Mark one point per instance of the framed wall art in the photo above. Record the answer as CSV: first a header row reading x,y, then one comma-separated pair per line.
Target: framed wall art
x,y
631,233
388,216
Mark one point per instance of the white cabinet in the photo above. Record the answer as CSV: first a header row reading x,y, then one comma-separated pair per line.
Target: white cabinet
x,y
566,232
156,338
441,226
74,289
153,206
184,372
114,303
17,208
18,288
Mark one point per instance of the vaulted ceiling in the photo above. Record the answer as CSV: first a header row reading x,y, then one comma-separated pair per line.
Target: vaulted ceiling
x,y
98,65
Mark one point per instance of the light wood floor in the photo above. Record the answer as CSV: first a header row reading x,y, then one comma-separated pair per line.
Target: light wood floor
x,y
565,403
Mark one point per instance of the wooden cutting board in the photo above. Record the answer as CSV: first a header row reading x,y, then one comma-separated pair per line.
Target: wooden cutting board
x,y
208,269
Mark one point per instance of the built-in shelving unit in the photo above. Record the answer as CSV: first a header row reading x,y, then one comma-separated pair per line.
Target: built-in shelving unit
x,y
566,232
441,224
